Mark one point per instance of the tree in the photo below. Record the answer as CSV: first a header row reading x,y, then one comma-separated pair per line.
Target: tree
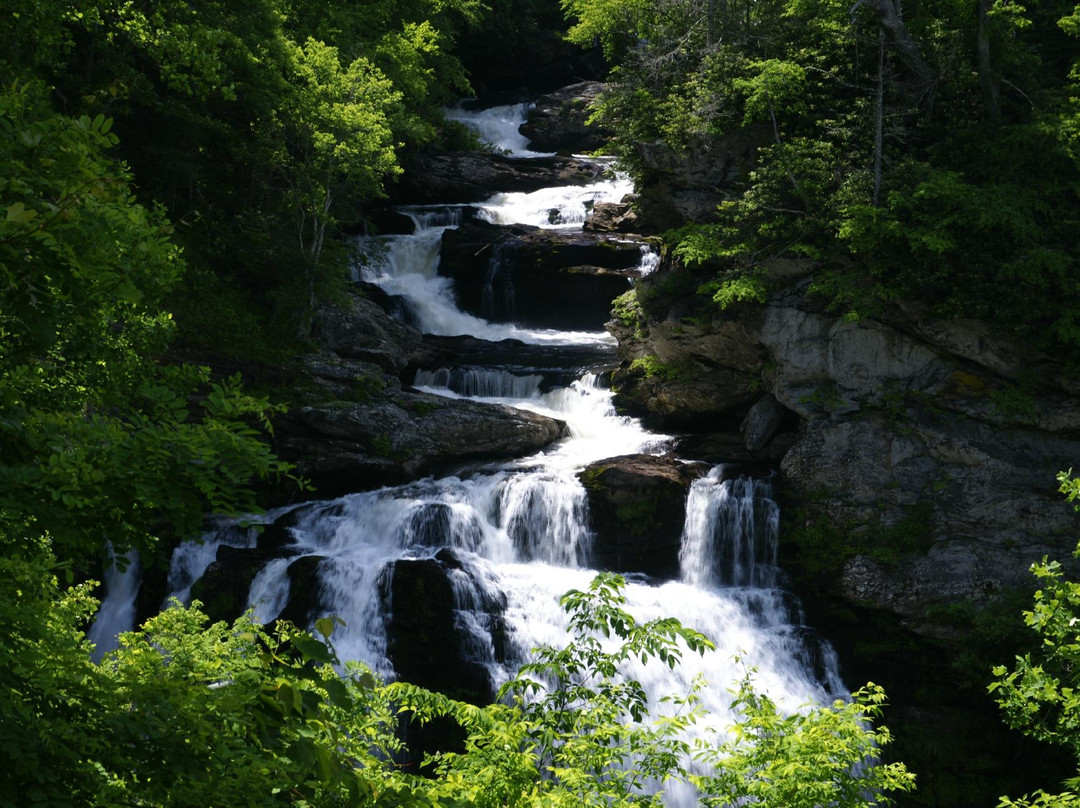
x,y
101,442
578,731
1038,693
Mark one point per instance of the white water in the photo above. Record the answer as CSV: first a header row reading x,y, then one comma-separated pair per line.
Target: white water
x,y
117,611
553,208
498,127
408,266
519,533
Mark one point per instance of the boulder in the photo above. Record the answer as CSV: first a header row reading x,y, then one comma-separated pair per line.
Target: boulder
x,y
397,435
360,328
430,639
538,278
762,422
612,217
558,121
637,506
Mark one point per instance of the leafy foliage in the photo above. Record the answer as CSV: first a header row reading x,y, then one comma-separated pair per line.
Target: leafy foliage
x,y
100,441
187,713
1038,694
931,157
260,126
578,731
183,713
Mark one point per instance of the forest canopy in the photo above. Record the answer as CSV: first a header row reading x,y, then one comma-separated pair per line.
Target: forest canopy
x,y
929,153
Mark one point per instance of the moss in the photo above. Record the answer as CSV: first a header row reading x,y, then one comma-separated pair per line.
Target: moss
x,y
590,478
1015,402
822,546
652,368
382,445
639,517
366,386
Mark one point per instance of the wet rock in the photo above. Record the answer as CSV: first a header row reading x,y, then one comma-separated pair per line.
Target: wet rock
x,y
454,177
398,435
223,589
440,625
637,506
612,217
538,278
305,605
557,121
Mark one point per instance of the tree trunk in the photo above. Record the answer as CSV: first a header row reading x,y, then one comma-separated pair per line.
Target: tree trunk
x,y
879,118
987,82
892,22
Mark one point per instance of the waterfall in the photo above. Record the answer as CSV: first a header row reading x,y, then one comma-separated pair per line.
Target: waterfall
x,y
473,382
650,260
498,126
731,533
502,543
552,208
123,576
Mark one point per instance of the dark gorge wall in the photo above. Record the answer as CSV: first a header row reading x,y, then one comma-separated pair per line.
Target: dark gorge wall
x,y
917,461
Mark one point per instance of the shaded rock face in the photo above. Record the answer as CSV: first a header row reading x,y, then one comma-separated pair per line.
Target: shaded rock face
x,y
923,466
637,506
360,328
353,426
537,278
685,368
451,177
557,120
687,186
433,608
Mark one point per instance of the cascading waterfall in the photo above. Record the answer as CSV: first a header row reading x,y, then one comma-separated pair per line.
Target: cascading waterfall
x,y
116,614
743,512
512,539
498,126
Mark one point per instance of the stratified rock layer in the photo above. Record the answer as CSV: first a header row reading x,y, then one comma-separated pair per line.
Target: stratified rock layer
x,y
354,426
926,450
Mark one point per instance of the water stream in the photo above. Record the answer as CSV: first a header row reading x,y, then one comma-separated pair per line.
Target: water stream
x,y
512,538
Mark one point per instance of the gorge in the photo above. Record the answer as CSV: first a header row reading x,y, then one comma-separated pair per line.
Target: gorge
x,y
891,439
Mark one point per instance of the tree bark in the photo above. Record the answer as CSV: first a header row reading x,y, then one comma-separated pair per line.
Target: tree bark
x,y
879,118
988,85
892,22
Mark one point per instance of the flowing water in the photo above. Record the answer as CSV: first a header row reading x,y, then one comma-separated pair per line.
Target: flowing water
x,y
512,538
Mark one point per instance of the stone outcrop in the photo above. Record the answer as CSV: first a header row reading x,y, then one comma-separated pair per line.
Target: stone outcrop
x,y
353,425
637,506
926,451
538,278
682,186
450,177
557,121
